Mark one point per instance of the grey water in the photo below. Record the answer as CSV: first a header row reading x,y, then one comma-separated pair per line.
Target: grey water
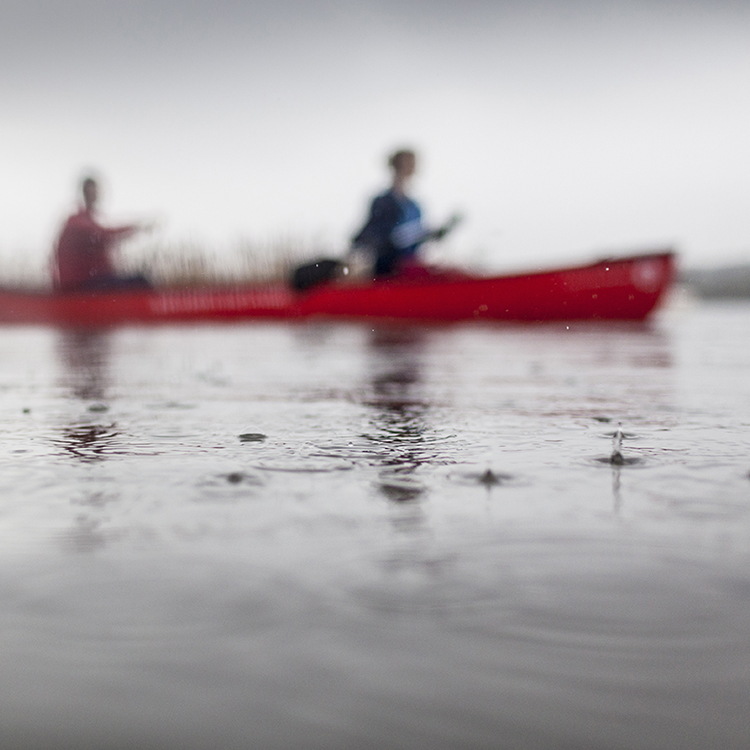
x,y
336,536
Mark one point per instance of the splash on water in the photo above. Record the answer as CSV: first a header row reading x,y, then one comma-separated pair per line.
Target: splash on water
x,y
616,457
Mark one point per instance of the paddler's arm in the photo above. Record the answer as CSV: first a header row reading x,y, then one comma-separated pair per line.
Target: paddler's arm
x,y
122,233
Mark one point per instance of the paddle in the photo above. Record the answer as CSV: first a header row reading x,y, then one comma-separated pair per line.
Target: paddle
x,y
448,227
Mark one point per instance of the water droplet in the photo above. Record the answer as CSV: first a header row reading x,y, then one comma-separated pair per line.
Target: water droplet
x,y
252,437
616,458
491,478
617,442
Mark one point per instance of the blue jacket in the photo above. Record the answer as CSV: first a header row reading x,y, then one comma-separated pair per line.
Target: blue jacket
x,y
393,231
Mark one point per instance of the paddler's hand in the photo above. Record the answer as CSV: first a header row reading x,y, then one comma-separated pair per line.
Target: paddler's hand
x,y
448,227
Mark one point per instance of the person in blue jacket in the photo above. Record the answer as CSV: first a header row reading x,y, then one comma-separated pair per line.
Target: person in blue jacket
x,y
394,230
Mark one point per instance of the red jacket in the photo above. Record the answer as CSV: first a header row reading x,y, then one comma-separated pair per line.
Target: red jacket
x,y
83,251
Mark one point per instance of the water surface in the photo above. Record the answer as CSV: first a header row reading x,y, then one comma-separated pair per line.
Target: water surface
x,y
332,536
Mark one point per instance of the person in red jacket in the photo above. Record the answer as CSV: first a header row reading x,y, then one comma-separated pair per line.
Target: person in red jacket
x,y
83,254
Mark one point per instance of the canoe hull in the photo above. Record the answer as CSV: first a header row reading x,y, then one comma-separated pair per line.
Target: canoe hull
x,y
618,289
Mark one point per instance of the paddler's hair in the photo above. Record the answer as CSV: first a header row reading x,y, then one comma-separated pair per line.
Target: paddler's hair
x,y
397,157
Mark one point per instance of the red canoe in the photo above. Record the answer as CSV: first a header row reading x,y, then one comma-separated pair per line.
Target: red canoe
x,y
614,289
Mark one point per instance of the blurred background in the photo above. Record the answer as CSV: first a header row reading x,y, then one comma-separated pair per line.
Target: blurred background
x,y
560,130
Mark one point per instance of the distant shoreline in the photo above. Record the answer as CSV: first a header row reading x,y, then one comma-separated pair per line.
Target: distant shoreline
x,y
728,282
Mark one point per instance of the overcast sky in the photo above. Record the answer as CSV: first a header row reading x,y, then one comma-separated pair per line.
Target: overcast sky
x,y
559,130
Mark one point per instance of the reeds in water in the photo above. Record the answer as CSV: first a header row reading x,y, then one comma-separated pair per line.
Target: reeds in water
x,y
21,269
190,263
177,263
